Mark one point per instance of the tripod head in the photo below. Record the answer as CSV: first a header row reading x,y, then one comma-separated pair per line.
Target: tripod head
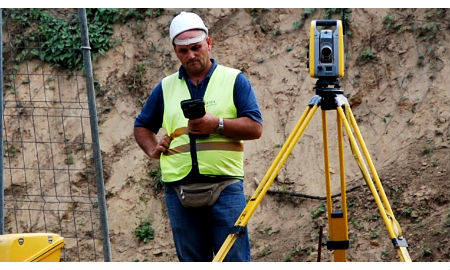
x,y
328,98
325,82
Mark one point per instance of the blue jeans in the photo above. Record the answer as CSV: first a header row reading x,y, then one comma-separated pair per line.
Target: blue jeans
x,y
199,233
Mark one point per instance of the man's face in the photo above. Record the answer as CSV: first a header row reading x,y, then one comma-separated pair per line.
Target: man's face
x,y
194,57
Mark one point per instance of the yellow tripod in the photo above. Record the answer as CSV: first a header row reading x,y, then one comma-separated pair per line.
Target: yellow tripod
x,y
327,99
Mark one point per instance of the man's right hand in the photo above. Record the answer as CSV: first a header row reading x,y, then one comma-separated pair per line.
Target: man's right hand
x,y
147,140
161,147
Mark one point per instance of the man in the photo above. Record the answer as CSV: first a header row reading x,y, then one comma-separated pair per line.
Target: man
x,y
201,158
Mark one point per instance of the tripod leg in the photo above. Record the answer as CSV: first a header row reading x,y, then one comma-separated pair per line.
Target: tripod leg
x,y
266,182
337,220
326,162
340,218
391,223
283,150
342,169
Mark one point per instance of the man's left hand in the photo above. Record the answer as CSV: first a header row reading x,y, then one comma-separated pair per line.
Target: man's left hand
x,y
205,125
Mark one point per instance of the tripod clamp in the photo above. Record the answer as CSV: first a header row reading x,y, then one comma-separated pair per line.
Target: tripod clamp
x,y
328,98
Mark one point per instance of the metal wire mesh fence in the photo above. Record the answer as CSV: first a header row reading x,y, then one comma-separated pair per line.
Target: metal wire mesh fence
x,y
48,168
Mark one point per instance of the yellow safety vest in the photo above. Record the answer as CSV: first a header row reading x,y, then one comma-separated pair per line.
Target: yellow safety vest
x,y
217,155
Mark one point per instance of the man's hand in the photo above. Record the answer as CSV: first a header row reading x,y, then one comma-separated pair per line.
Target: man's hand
x,y
147,140
204,125
242,128
161,147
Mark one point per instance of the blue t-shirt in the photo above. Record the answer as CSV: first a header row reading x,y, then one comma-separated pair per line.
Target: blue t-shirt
x,y
151,116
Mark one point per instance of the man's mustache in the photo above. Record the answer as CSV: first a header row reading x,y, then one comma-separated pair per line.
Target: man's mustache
x,y
193,61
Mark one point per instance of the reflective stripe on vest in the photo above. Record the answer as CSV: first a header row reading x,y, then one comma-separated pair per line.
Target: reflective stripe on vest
x,y
217,155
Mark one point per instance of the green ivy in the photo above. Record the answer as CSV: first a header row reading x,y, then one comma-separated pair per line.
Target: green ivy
x,y
318,211
305,14
57,40
344,13
145,232
367,55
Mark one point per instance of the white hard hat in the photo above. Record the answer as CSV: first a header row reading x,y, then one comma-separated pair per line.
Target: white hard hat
x,y
186,21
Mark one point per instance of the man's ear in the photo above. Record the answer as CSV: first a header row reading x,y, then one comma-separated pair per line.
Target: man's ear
x,y
209,42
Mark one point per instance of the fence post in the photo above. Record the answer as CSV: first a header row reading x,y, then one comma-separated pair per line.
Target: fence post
x,y
94,132
2,191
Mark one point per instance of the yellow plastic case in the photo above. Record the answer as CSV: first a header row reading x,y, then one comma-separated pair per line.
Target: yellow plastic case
x,y
31,247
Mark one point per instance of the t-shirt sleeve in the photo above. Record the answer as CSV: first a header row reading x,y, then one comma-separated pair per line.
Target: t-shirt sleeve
x,y
151,116
245,99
